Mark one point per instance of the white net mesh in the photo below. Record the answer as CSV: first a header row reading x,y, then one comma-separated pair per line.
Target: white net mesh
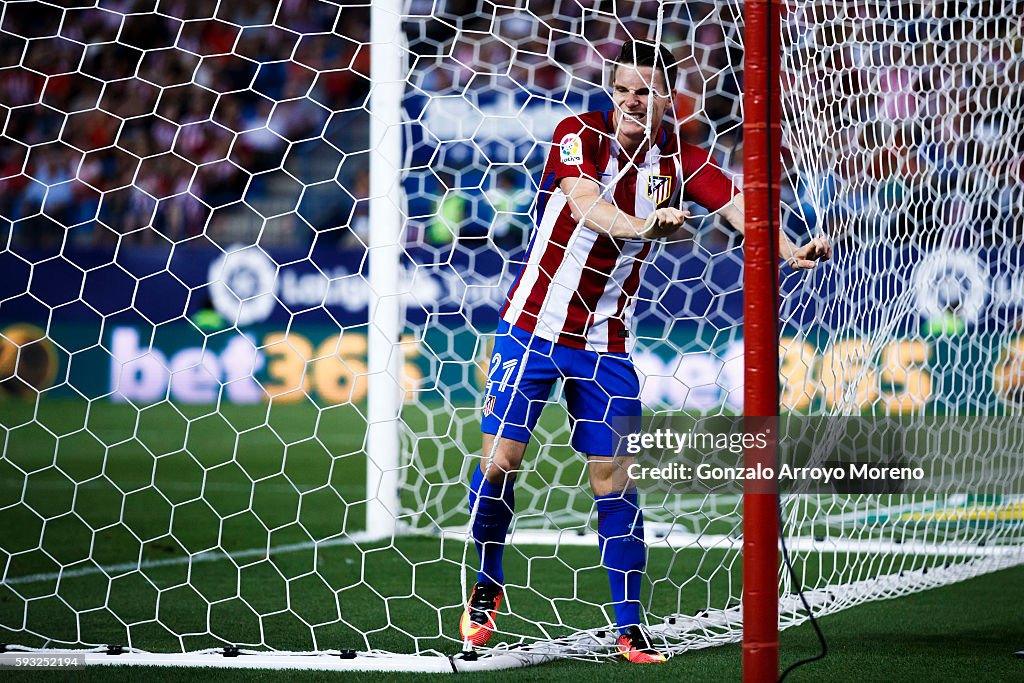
x,y
897,122
184,192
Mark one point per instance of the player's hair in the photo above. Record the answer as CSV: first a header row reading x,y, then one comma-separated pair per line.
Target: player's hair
x,y
639,53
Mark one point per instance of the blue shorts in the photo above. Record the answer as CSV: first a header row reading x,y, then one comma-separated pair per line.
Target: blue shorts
x,y
602,391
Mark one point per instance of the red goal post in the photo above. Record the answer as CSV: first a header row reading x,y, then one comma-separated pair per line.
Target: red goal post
x,y
761,163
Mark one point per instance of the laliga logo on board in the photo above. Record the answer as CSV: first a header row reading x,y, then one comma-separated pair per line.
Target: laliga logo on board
x,y
243,282
950,280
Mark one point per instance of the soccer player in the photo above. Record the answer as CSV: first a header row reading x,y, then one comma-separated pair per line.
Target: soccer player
x,y
604,199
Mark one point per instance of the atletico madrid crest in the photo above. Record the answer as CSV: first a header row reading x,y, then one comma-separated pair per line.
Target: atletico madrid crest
x,y
659,188
489,404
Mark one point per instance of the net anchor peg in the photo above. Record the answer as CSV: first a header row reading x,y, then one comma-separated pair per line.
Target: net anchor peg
x,y
347,654
231,651
114,650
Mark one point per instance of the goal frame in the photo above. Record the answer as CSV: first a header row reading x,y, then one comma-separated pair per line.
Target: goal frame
x,y
762,133
384,306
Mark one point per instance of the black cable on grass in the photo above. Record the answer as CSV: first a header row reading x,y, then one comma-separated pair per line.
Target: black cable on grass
x,y
803,599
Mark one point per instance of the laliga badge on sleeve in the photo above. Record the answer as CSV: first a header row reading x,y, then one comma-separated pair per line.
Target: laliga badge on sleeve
x,y
571,150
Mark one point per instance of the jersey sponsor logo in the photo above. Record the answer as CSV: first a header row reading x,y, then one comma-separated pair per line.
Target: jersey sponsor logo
x,y
659,188
571,150
489,404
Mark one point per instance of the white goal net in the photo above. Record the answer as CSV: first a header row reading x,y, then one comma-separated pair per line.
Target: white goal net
x,y
188,317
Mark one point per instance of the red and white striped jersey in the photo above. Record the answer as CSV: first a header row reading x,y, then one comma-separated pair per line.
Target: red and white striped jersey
x,y
578,287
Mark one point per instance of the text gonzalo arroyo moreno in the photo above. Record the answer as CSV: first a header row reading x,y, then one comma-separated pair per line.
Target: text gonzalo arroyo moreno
x,y
667,441
824,474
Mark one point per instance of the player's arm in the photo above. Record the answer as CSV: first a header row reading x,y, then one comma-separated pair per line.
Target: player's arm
x,y
599,215
798,258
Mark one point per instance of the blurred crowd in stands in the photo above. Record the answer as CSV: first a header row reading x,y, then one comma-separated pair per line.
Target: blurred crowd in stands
x,y
248,121
910,121
150,127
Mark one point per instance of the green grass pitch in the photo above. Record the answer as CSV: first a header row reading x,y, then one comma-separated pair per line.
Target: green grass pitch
x,y
91,486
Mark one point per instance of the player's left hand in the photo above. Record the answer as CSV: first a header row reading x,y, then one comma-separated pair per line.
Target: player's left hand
x,y
663,223
807,256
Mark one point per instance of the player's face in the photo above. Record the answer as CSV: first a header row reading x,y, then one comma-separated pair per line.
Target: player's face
x,y
631,92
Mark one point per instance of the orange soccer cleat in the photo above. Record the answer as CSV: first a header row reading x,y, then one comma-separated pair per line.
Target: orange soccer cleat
x,y
635,645
477,623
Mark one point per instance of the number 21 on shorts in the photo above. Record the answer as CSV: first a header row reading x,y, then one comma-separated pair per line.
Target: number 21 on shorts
x,y
506,370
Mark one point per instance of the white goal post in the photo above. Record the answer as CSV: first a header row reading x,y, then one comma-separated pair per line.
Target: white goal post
x,y
387,61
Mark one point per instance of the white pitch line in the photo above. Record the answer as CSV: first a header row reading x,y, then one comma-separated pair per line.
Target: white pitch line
x,y
205,556
223,487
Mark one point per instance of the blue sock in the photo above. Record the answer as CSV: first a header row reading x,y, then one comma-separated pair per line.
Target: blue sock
x,y
620,532
493,517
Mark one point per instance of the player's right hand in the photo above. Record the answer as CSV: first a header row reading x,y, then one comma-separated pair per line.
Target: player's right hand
x,y
663,222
